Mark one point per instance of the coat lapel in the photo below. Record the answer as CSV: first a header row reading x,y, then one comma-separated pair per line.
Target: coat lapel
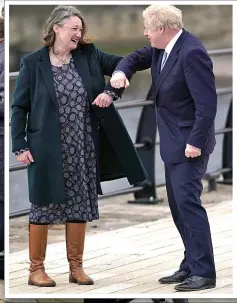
x,y
170,61
46,70
81,63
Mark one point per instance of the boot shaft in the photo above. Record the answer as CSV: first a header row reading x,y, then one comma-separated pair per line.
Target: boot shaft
x,y
38,235
75,240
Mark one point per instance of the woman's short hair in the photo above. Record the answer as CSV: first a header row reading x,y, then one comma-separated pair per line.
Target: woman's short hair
x,y
163,16
58,16
1,27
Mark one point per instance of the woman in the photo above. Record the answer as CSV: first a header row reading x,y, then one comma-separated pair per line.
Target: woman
x,y
71,145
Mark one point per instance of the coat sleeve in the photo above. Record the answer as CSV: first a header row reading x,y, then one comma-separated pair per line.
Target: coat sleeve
x,y
20,108
201,83
108,64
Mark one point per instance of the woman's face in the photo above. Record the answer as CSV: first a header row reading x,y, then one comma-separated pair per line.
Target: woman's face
x,y
68,35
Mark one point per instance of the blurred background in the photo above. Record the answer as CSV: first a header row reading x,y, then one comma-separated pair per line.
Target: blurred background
x,y
118,29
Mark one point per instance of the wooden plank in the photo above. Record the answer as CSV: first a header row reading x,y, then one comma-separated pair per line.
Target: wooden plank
x,y
131,274
130,260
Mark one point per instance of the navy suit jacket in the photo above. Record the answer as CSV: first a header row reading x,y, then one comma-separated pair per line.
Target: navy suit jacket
x,y
184,93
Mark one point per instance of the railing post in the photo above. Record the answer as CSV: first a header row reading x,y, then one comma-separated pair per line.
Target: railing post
x,y
146,134
227,160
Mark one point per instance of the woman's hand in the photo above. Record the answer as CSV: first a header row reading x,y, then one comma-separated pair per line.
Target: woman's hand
x,y
25,157
103,100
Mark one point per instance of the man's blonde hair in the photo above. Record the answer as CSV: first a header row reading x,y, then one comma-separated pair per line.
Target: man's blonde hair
x,y
163,16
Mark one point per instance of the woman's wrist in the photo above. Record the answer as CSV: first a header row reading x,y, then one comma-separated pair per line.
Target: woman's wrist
x,y
111,93
18,152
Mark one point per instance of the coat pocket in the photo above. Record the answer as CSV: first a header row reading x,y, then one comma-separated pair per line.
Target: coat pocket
x,y
185,123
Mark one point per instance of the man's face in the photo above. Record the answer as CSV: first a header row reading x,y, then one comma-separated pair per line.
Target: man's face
x,y
155,36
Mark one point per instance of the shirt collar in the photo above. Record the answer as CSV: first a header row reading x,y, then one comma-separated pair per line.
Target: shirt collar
x,y
171,44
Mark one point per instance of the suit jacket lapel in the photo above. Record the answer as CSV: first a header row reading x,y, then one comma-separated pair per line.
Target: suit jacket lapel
x,y
166,69
81,63
46,70
159,62
170,61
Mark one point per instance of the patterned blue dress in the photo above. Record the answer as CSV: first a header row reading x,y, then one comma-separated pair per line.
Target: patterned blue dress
x,y
78,153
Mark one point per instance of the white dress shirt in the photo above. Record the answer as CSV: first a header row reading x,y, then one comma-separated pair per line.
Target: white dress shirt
x,y
171,44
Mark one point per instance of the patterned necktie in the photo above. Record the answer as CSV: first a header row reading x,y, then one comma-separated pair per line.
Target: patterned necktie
x,y
163,60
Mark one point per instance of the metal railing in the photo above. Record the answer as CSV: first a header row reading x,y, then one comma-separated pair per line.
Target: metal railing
x,y
145,144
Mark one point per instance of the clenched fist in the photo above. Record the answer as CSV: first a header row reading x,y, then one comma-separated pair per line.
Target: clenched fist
x,y
192,151
119,80
25,157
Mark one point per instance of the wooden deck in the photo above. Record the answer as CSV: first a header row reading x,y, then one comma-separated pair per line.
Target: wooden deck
x,y
129,261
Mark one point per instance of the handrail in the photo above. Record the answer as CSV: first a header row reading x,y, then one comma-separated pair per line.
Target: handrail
x,y
212,52
146,143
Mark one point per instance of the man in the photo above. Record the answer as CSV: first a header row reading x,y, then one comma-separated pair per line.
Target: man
x,y
186,102
1,147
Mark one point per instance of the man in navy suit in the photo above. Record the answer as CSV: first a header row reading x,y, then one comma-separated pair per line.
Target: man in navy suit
x,y
186,102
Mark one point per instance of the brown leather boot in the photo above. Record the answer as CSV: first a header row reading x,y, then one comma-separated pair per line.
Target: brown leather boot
x,y
75,239
37,249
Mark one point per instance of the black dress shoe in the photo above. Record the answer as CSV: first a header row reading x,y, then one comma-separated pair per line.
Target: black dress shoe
x,y
178,277
196,283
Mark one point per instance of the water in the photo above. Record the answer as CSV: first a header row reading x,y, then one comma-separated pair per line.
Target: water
x,y
138,90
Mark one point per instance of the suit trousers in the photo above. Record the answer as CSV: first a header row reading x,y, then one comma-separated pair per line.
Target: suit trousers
x,y
184,188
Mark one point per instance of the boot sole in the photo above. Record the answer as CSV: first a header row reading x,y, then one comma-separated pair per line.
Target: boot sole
x,y
40,285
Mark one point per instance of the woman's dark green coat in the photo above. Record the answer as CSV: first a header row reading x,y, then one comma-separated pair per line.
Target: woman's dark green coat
x,y
35,124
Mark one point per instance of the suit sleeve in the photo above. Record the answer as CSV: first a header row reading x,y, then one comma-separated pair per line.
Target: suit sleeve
x,y
137,61
200,80
20,108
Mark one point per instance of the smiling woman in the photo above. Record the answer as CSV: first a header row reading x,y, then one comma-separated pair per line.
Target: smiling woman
x,y
70,146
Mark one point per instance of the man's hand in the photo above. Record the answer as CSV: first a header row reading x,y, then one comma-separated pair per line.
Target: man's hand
x,y
25,157
119,80
192,152
103,100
